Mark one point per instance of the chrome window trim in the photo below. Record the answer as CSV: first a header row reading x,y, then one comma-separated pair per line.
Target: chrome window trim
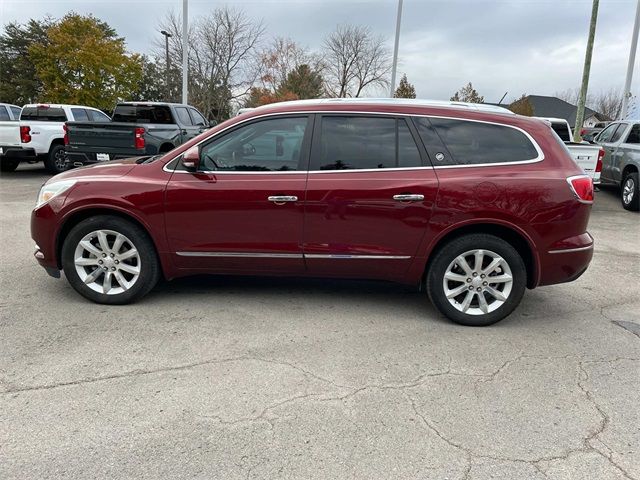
x,y
570,250
292,255
539,158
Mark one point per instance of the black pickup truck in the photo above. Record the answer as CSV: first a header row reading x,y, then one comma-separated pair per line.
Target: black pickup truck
x,y
135,129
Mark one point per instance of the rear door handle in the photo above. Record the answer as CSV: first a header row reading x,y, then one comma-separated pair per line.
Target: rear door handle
x,y
282,199
408,197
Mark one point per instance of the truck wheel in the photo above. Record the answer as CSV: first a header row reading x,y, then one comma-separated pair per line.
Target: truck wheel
x,y
629,192
110,260
9,164
476,279
57,161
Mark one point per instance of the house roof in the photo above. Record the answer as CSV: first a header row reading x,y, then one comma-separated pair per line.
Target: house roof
x,y
544,106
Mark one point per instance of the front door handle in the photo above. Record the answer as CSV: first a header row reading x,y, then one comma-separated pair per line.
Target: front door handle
x,y
408,197
282,199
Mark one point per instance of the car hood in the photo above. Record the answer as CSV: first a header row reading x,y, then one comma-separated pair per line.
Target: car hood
x,y
114,168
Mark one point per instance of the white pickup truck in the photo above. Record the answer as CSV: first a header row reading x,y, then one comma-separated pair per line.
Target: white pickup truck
x,y
41,133
9,136
587,156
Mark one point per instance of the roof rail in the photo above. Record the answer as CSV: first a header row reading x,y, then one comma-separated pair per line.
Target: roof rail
x,y
481,107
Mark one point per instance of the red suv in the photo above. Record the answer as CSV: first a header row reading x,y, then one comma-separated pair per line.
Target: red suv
x,y
470,203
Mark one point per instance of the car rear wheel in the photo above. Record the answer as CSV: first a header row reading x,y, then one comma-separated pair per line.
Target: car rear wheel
x,y
57,160
476,279
9,164
110,260
629,192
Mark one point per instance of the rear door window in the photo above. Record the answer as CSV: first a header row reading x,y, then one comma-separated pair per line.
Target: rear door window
x,y
79,115
478,143
4,114
43,113
154,114
97,116
606,134
16,112
634,134
617,135
197,118
360,142
183,116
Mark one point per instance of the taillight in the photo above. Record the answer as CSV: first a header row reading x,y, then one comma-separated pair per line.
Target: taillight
x,y
600,157
66,134
139,138
582,187
25,134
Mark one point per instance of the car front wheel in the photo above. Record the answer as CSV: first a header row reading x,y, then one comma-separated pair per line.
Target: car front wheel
x,y
629,192
110,260
476,279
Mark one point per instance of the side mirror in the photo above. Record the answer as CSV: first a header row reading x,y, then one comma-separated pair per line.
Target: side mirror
x,y
213,122
191,159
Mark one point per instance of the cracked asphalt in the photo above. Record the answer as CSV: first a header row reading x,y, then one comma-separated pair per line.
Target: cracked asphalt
x,y
247,378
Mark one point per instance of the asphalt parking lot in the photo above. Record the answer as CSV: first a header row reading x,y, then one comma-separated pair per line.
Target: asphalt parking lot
x,y
231,378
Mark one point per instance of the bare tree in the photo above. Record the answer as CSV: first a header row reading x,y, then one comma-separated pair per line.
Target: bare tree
x,y
608,103
355,59
223,57
279,59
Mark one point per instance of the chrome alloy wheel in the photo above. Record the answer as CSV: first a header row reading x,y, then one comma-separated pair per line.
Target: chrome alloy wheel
x,y
107,262
60,160
478,282
628,190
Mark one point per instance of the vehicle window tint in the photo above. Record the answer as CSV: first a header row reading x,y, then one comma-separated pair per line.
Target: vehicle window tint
x,y
267,145
408,153
634,134
197,118
155,114
436,150
16,112
4,113
183,116
97,116
80,115
562,130
348,143
618,133
43,114
606,134
472,143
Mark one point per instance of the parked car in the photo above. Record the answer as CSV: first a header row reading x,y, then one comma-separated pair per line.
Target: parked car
x,y
587,156
41,131
588,133
621,163
10,145
136,128
472,205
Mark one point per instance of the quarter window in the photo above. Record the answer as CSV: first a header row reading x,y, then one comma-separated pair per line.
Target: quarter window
x,y
348,143
263,146
473,143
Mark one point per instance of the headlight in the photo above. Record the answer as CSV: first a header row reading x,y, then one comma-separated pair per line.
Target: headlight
x,y
50,190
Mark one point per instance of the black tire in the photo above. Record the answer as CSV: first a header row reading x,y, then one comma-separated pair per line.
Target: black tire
x,y
149,267
448,254
57,160
9,164
630,199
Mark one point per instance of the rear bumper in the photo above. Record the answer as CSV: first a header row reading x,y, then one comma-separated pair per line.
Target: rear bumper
x,y
87,158
18,153
567,260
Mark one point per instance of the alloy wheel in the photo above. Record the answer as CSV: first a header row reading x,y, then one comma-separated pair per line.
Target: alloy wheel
x,y
60,160
628,191
107,262
478,282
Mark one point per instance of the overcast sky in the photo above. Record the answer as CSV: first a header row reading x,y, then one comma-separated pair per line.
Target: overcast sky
x,y
534,46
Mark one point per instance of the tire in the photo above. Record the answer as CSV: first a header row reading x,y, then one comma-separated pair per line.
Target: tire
x,y
57,161
88,276
9,164
629,192
467,281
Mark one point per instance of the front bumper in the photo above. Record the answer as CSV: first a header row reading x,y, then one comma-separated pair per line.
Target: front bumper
x,y
44,227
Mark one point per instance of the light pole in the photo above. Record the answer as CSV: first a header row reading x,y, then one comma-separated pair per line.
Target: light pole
x,y
395,50
167,67
185,49
585,72
632,61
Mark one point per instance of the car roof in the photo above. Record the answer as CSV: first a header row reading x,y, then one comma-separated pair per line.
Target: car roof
x,y
58,105
386,102
154,104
